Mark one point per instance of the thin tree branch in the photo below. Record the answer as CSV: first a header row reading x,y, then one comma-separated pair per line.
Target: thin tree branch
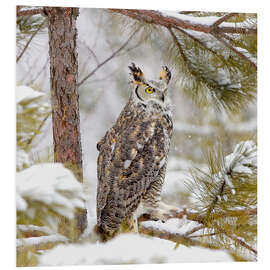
x,y
177,43
39,73
195,229
187,12
195,39
236,239
222,19
20,13
90,50
193,216
174,237
109,58
228,45
156,17
203,235
178,46
28,42
30,140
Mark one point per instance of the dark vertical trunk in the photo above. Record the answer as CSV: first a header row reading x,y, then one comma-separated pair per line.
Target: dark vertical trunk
x,y
64,95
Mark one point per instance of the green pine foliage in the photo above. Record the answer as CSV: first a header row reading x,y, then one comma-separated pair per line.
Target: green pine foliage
x,y
226,198
31,115
26,28
208,71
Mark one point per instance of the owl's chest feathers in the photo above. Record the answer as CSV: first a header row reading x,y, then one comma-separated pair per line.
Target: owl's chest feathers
x,y
140,139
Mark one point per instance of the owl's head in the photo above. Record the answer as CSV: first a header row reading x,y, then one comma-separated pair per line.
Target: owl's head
x,y
146,91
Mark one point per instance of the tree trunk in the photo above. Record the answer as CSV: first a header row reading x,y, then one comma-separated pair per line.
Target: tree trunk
x,y
64,95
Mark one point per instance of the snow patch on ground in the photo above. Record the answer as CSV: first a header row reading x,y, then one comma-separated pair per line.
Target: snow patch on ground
x,y
127,249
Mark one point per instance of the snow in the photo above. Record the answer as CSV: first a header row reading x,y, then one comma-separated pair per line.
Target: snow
x,y
24,93
31,241
52,184
223,76
243,159
252,58
207,20
203,20
172,225
127,249
21,204
25,228
22,159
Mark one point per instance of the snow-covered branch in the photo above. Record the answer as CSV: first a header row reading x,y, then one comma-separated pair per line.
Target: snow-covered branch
x,y
21,11
51,185
171,19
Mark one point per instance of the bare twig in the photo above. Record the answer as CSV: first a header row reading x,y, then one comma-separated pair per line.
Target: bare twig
x,y
28,42
28,12
203,235
30,140
195,229
41,70
109,58
222,19
156,17
187,12
90,50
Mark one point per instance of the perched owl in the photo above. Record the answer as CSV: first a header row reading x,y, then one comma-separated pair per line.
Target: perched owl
x,y
133,155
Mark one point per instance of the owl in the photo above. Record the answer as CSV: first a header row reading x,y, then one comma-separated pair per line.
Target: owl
x,y
133,156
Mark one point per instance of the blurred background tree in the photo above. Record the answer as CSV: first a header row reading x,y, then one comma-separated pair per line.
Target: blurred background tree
x,y
212,56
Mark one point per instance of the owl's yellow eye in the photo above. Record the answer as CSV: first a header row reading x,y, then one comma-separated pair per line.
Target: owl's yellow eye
x,y
149,90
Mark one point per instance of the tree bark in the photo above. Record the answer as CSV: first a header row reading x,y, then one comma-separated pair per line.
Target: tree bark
x,y
64,95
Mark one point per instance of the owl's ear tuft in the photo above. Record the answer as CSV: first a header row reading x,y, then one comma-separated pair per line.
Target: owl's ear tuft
x,y
138,76
165,74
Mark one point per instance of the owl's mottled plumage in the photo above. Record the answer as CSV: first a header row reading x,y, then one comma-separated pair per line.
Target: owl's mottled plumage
x,y
133,153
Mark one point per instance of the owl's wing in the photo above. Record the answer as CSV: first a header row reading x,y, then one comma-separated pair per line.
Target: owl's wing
x,y
126,158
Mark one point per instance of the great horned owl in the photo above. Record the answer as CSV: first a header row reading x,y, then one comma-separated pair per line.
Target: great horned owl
x,y
133,155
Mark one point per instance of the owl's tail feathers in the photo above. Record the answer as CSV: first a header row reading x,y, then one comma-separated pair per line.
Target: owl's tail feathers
x,y
102,234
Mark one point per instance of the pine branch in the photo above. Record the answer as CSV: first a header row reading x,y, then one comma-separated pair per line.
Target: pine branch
x,y
196,40
174,237
29,12
109,58
28,42
187,238
222,19
176,42
234,238
228,45
156,17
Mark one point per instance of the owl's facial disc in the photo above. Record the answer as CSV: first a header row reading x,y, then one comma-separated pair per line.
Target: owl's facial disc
x,y
146,92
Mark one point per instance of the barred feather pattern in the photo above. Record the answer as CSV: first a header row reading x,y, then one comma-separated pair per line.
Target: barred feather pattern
x,y
132,161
